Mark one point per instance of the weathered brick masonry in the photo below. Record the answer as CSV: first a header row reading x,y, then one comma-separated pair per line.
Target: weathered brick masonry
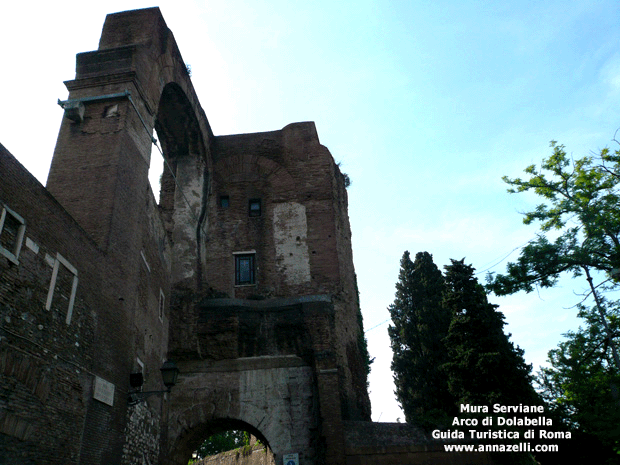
x,y
51,353
106,273
242,272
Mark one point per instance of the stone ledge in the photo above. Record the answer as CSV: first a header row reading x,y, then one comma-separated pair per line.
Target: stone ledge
x,y
241,364
392,449
359,434
267,303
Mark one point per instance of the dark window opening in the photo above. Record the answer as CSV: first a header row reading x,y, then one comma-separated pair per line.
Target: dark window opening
x,y
244,269
255,207
224,201
12,229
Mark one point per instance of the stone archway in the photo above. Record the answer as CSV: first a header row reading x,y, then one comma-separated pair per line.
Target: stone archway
x,y
184,188
271,397
192,440
277,362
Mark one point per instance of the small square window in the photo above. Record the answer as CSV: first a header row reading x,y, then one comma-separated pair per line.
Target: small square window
x,y
255,207
245,270
12,228
224,201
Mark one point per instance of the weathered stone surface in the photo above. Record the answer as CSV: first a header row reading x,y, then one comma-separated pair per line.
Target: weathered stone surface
x,y
290,231
266,394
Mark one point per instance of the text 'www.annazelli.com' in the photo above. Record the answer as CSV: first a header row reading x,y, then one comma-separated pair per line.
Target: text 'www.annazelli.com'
x,y
519,447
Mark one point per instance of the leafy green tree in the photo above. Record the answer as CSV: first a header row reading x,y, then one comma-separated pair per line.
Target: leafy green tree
x,y
581,210
484,367
222,442
579,235
581,378
420,322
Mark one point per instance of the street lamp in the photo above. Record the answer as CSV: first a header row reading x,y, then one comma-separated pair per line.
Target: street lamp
x,y
169,375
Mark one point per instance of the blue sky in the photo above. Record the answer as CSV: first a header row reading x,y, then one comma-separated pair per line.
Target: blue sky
x,y
426,104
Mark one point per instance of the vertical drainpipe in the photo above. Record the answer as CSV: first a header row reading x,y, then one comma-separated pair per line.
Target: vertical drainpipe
x,y
201,219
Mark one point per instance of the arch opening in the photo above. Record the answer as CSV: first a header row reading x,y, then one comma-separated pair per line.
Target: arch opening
x,y
235,439
179,135
184,181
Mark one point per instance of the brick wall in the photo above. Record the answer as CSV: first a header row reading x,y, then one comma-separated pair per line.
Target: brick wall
x,y
301,241
86,303
48,358
106,278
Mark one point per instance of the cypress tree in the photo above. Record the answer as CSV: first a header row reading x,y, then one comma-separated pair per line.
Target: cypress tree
x,y
420,322
484,366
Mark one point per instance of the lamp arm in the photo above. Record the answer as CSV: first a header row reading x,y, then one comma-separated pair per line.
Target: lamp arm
x,y
150,392
136,397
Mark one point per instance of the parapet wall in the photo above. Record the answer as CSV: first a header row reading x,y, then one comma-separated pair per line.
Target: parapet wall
x,y
368,443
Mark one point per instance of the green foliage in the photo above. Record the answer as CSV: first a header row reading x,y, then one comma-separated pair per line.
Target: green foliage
x,y
581,203
484,367
581,211
581,384
345,177
347,180
582,208
449,346
419,324
222,442
362,342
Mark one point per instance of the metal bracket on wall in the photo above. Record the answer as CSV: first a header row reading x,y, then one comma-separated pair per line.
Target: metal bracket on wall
x,y
74,108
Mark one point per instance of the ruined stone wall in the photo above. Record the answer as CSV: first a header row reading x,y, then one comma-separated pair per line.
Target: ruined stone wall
x,y
108,283
293,235
142,435
300,242
257,454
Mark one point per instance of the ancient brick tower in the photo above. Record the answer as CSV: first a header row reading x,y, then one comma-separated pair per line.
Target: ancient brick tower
x,y
242,273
